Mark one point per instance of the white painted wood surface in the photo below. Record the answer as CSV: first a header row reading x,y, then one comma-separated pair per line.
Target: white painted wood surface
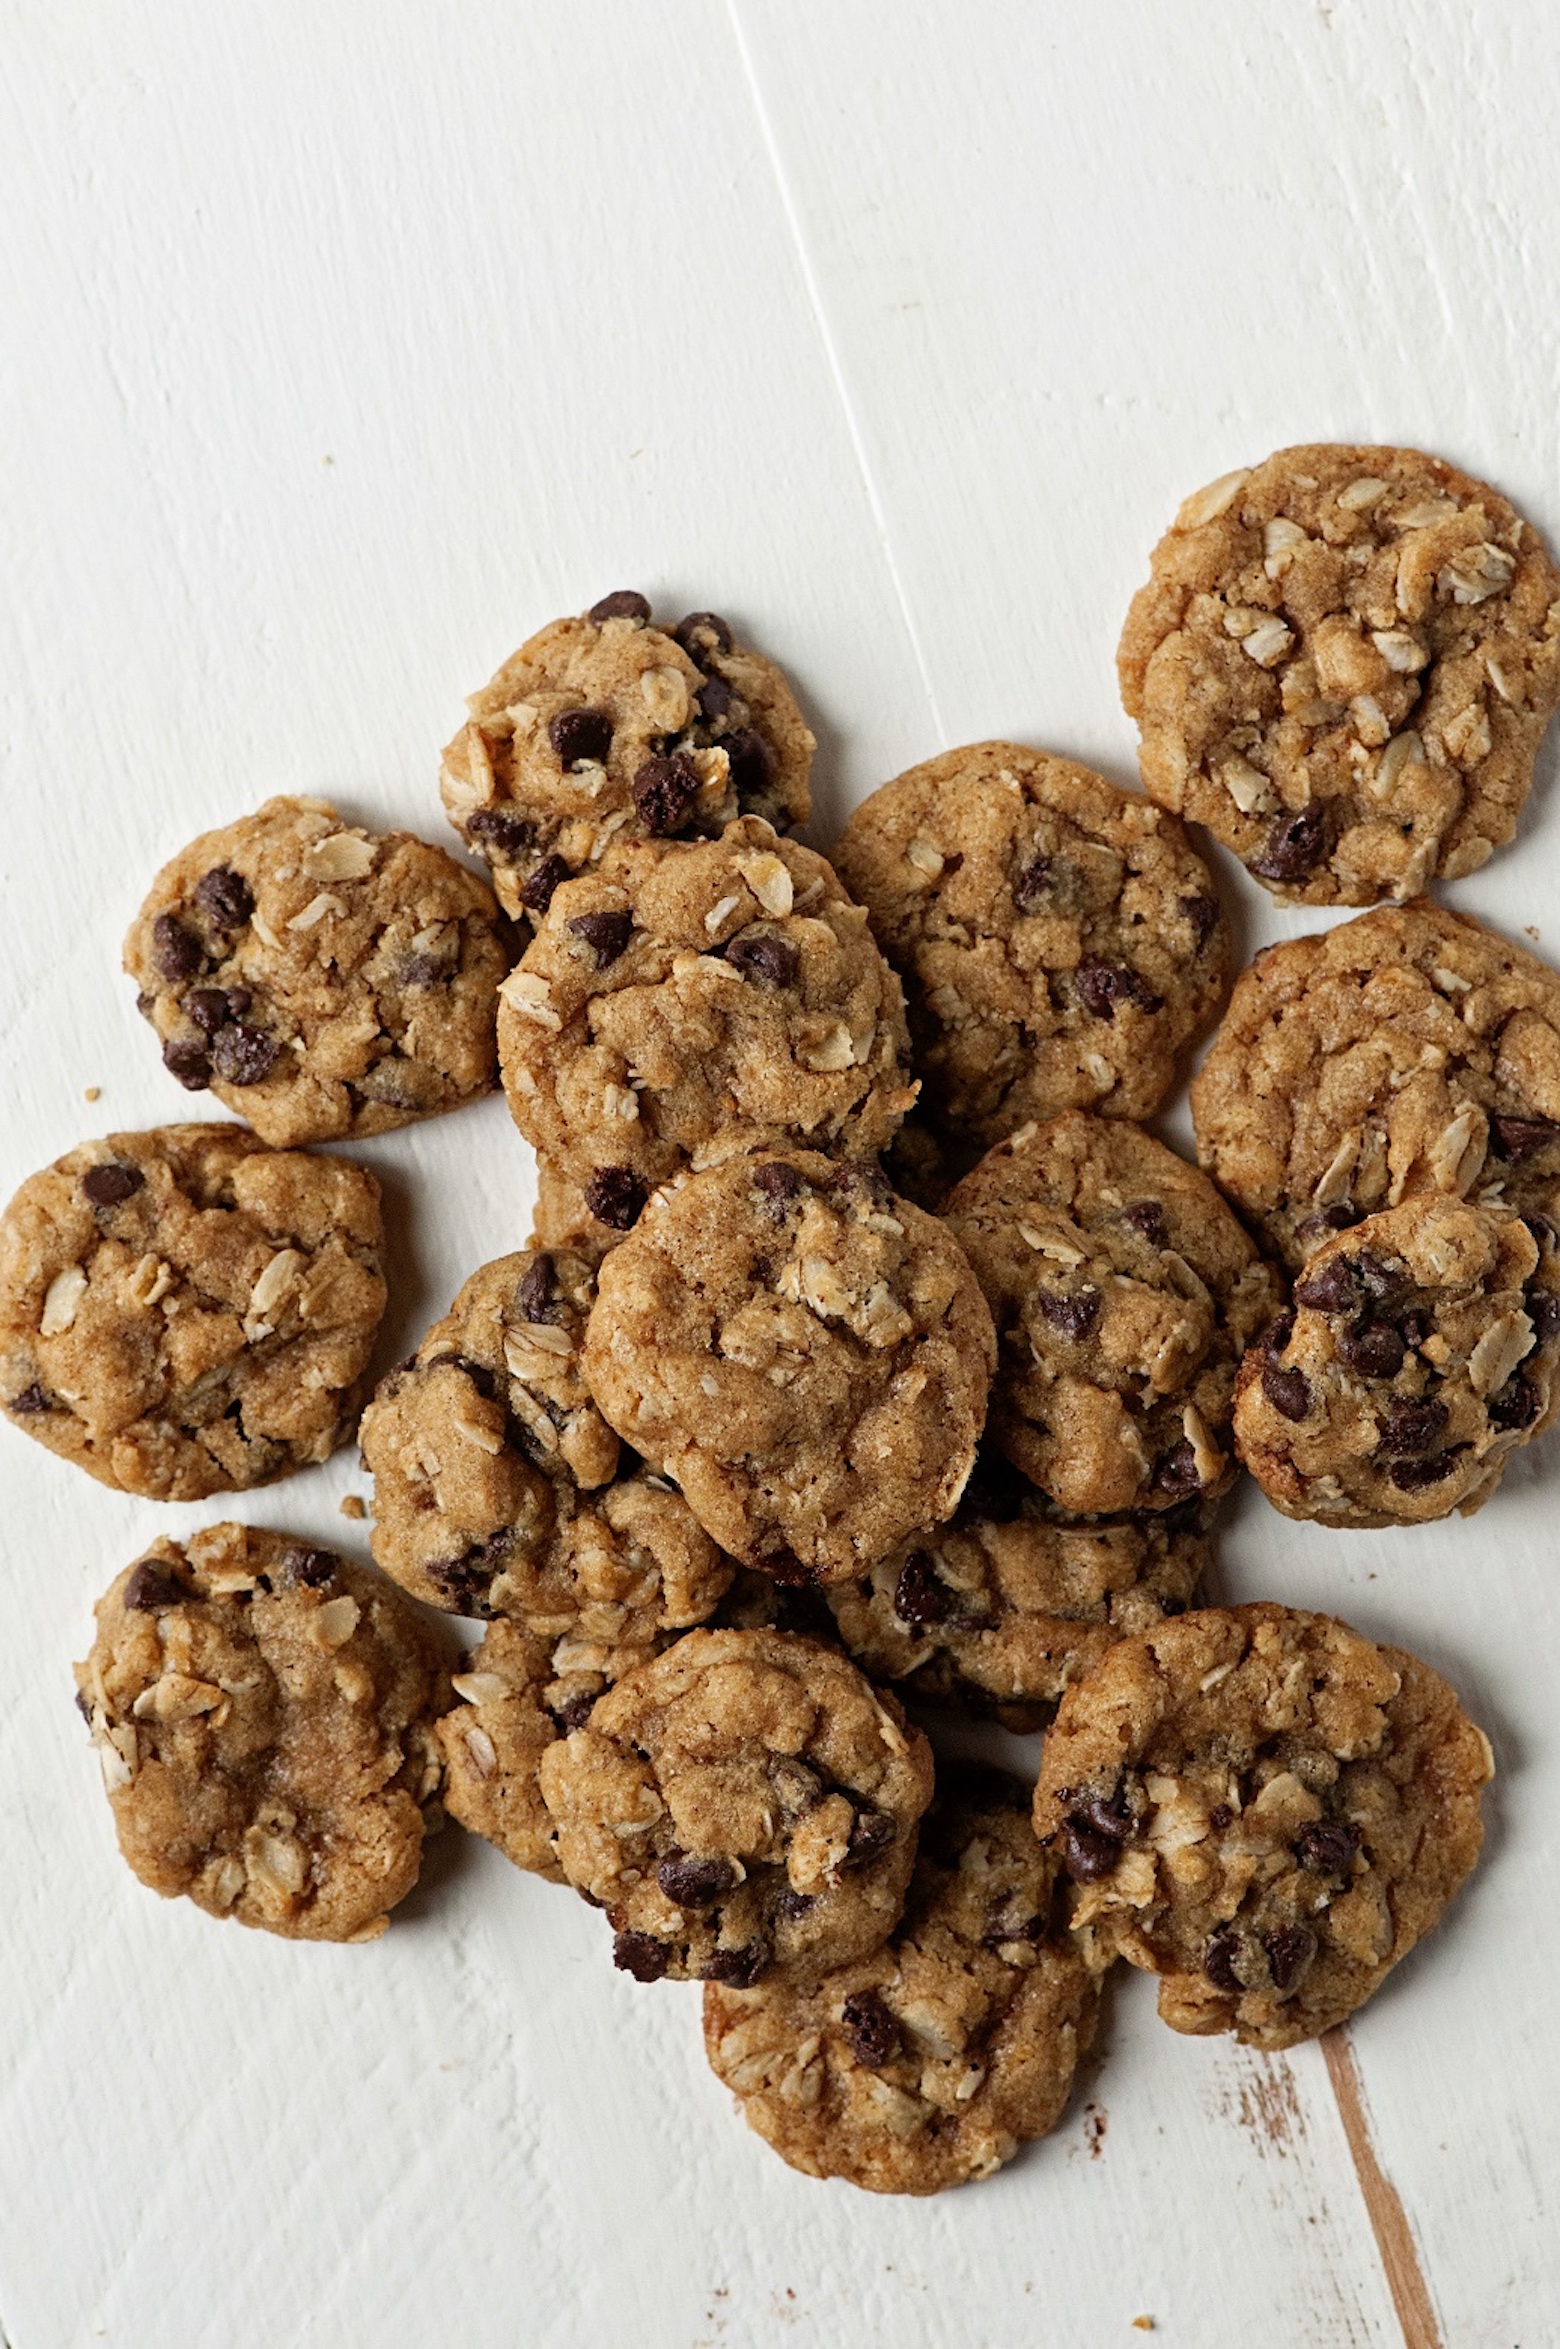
x,y
338,348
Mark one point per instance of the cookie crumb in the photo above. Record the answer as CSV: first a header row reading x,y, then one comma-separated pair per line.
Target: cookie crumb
x,y
1142,2324
353,1506
95,1092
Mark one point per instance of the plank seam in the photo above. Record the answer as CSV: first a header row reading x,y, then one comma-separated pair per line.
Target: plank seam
x,y
1383,2204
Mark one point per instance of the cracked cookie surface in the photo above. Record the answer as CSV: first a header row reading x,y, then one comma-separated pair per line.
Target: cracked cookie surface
x,y
264,1714
686,995
1058,939
1408,1053
1343,664
805,1354
323,982
1420,1354
933,2060
605,727
185,1312
1264,1808
745,1805
1124,1293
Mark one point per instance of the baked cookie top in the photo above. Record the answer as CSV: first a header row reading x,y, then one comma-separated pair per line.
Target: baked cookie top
x,y
264,1714
744,1805
323,981
1058,939
804,1354
1264,1808
1420,1354
606,726
510,1712
689,994
1343,664
933,2060
1408,1053
1124,1293
185,1312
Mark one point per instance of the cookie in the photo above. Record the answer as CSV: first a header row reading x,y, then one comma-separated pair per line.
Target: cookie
x,y
1420,1354
185,1312
1058,939
494,1740
468,1440
322,981
1265,1809
264,1714
804,1354
933,2060
563,1216
688,995
1124,1294
606,726
1343,664
745,1805
1409,1053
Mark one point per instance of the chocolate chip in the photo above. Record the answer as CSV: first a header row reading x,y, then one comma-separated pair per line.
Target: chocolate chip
x,y
1177,1473
1009,1920
1203,914
615,1196
1101,986
863,1178
573,1713
186,1060
502,834
580,737
425,970
31,1399
1517,1138
779,1183
641,1955
870,1837
1542,1307
308,1567
1074,1316
870,2028
1147,1218
713,700
1086,1853
1220,1952
797,1789
225,898
111,1184
243,1056
1374,1348
1289,1391
792,1905
1415,1327
1295,845
1327,1846
1517,1405
751,762
465,1581
1108,1818
1416,1476
536,890
1331,1288
1408,1426
538,1289
739,1969
1543,1231
606,934
1220,1817
1290,1949
1319,1227
1277,1334
176,951
760,956
209,1008
664,792
624,603
919,1597
151,1587
694,1883
83,1704
1387,1283
1032,884
703,633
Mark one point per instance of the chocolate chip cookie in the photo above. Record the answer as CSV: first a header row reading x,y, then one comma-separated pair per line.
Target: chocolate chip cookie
x,y
1343,664
804,1354
606,726
1124,1294
1058,939
745,1805
686,994
264,1714
563,1216
185,1312
1420,1354
933,2060
1409,1053
1265,1809
322,981
509,1714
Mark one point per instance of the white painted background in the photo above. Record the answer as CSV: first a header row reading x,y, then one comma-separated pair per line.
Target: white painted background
x,y
342,344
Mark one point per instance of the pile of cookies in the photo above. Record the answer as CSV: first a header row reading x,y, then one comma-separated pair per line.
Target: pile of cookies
x,y
868,1359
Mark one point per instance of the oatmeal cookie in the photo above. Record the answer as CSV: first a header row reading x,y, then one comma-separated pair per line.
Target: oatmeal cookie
x,y
1408,1053
1265,1809
1420,1354
264,1714
1343,664
1124,1294
563,1216
606,726
745,1805
322,981
690,995
494,1740
1058,939
933,2060
806,1355
185,1312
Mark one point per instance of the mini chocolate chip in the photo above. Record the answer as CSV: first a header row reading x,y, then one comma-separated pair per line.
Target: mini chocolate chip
x,y
1111,1818
176,951
760,956
145,1004
694,1883
83,1704
1327,1846
1517,1138
1086,1853
31,1399
1289,1391
209,1008
1177,1473
1290,1949
919,1596
606,934
1295,845
424,970
1517,1405
641,1955
870,1837
713,700
615,1197
870,2028
1331,1288
1416,1476
536,890
111,1184
151,1587
1032,884
465,1581
1319,1227
1277,1334
1074,1316
1008,1920
580,737
863,1178
779,1183
186,1060
1409,1426
1220,1952
751,762
243,1056
502,834
782,1565
1220,1817
1387,1283
791,1905
225,898
739,1969
624,603
702,633
1415,1327
537,1290
1101,986
309,1567
573,1713
1147,1218
1374,1348
664,792
1542,1307
1542,1230
1203,914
